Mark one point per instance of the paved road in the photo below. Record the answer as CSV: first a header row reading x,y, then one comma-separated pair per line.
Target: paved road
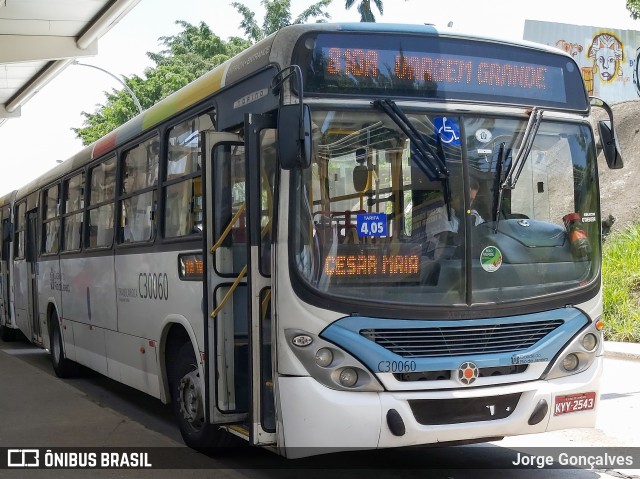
x,y
93,411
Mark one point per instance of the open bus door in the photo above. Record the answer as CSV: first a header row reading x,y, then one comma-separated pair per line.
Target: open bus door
x,y
31,256
239,368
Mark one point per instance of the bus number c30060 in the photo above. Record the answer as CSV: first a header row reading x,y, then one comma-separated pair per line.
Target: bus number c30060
x,y
153,286
396,366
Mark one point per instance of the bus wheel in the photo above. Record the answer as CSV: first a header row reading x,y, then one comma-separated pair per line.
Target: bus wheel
x,y
63,367
188,403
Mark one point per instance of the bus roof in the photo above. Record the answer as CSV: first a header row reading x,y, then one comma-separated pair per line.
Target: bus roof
x,y
275,49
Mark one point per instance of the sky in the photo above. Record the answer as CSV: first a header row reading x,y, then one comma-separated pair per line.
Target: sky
x,y
31,145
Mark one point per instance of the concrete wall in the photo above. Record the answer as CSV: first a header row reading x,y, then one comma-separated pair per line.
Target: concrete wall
x,y
608,58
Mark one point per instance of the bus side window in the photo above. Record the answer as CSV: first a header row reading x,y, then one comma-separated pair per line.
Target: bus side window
x,y
73,216
229,198
183,185
51,220
268,167
138,205
21,222
102,180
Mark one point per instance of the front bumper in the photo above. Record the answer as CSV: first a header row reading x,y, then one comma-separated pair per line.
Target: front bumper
x,y
318,420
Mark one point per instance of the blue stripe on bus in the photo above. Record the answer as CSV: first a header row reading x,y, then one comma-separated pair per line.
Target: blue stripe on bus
x,y
345,333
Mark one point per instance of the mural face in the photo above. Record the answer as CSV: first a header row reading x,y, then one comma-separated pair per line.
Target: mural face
x,y
609,59
607,53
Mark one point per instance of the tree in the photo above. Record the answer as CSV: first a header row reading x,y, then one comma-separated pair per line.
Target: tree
x,y
634,8
187,55
364,8
277,15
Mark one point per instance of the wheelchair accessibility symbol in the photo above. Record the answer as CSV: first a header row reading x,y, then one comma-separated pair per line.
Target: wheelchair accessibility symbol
x,y
447,129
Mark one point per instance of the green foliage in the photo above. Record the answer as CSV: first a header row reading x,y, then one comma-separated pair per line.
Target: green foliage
x,y
621,285
634,8
364,8
186,56
277,15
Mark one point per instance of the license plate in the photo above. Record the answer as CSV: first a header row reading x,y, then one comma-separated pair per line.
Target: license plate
x,y
574,403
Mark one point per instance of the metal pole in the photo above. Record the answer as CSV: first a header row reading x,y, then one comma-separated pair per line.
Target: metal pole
x,y
119,80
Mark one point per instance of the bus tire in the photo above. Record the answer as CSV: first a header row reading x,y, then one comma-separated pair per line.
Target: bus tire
x,y
188,405
7,334
63,367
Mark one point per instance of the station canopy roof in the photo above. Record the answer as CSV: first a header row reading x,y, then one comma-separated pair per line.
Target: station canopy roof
x,y
40,38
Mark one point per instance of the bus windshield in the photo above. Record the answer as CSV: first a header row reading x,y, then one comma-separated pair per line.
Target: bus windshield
x,y
372,226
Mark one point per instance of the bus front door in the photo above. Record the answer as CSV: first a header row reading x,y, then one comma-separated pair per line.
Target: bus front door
x,y
236,379
31,254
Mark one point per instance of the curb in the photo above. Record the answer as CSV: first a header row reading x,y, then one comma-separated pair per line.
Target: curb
x,y
618,350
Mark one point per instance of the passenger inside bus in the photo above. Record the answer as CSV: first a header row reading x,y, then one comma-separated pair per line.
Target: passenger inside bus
x,y
442,229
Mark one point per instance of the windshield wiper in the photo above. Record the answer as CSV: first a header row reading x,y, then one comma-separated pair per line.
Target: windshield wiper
x,y
517,164
498,189
535,118
430,162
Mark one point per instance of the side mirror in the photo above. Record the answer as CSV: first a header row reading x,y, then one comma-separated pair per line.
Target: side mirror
x,y
294,137
7,232
610,145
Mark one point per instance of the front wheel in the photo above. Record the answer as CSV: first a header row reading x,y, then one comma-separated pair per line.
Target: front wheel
x,y
63,367
187,397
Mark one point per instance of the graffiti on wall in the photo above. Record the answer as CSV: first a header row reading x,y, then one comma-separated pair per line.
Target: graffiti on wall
x,y
636,71
607,53
608,59
573,49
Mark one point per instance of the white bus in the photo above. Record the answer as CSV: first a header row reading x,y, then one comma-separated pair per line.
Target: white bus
x,y
348,236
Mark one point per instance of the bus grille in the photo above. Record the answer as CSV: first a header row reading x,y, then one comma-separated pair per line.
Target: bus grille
x,y
461,340
435,412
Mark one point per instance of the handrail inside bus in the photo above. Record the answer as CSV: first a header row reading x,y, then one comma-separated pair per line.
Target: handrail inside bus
x,y
230,292
227,230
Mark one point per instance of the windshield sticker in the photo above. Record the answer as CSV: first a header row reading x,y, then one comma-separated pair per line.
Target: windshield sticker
x,y
371,224
447,129
491,259
483,135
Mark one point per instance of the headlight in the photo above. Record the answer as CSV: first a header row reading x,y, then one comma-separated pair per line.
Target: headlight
x,y
324,357
330,365
570,362
578,355
590,341
348,377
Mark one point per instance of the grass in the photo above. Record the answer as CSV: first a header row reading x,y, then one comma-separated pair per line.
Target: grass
x,y
621,285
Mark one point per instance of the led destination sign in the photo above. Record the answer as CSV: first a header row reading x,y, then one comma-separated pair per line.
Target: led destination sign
x,y
391,64
440,69
354,263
